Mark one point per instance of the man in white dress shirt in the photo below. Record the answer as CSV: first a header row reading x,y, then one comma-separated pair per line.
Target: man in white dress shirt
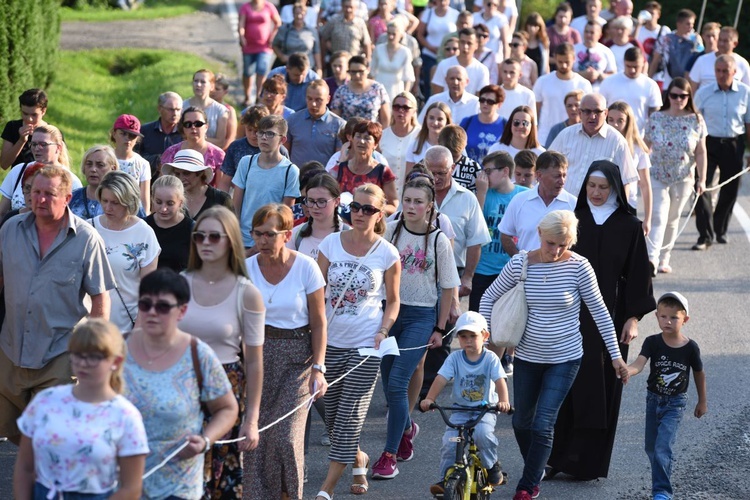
x,y
457,98
479,75
515,93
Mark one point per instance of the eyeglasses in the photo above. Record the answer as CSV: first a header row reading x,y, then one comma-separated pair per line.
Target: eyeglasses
x,y
309,202
484,100
173,110
521,123
213,237
356,71
368,210
267,234
268,134
401,107
678,96
196,124
90,360
592,111
515,45
34,145
450,49
161,307
483,35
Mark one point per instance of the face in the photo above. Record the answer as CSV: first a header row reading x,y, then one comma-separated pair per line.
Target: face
x,y
32,115
562,18
670,318
93,367
357,73
553,247
678,98
442,175
270,140
364,144
491,5
113,209
518,48
251,134
44,148
711,40
617,119
597,190
415,205
299,12
619,34
482,37
125,139
202,85
215,245
591,34
190,180
552,180
472,343
156,324
593,113
48,201
685,26
456,81
521,124
467,44
436,120
320,203
95,167
633,68
393,34
338,66
463,22
593,8
26,188
727,42
511,73
296,75
317,100
167,204
194,133
724,73
272,99
624,8
524,176
362,221
488,103
573,109
218,93
170,111
494,175
564,63
441,5
347,9
403,111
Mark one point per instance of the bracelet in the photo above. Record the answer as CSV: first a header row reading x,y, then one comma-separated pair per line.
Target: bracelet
x,y
384,331
439,330
208,444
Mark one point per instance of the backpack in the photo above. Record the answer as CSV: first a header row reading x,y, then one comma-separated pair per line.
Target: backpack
x,y
680,51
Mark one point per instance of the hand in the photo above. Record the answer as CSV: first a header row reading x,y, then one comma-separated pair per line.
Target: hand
x,y
503,406
322,385
249,431
195,447
700,409
629,331
702,184
436,340
379,337
646,227
344,152
465,288
242,40
455,312
482,182
25,132
424,405
621,370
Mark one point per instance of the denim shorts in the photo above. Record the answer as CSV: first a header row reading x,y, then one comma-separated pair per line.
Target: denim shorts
x,y
258,64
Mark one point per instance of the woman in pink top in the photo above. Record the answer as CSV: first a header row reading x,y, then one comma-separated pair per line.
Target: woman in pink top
x,y
259,21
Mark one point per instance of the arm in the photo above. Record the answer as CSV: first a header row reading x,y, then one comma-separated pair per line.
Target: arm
x,y
289,201
318,325
446,301
241,29
508,244
253,390
145,187
130,483
392,281
10,151
413,23
422,37
644,186
221,133
538,109
700,385
629,331
100,305
655,63
384,114
4,206
23,473
637,366
700,163
472,259
435,389
391,198
237,198
482,184
501,388
224,183
223,411
149,268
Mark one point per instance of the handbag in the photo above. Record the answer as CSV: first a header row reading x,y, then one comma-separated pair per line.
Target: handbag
x,y
510,312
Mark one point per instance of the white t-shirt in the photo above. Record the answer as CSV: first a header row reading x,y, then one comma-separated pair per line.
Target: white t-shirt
x,y
599,57
519,96
437,27
334,159
512,151
128,251
641,93
550,91
643,164
703,72
394,150
359,315
619,53
495,24
479,75
12,179
77,444
137,167
286,302
413,157
418,264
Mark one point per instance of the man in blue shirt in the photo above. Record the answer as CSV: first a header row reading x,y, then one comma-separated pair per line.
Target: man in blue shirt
x,y
314,132
298,76
158,135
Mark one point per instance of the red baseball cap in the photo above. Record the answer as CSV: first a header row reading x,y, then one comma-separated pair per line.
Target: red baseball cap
x,y
128,123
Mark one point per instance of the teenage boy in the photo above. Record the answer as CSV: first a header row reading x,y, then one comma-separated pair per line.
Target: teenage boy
x,y
672,356
266,177
478,377
525,171
515,93
17,133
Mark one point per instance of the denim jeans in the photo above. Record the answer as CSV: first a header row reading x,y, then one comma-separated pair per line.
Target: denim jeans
x,y
484,437
663,417
412,328
41,492
539,390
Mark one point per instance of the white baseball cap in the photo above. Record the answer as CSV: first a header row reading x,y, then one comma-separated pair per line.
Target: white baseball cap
x,y
471,321
678,297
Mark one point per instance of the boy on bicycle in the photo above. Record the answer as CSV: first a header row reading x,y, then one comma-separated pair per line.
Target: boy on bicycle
x,y
478,379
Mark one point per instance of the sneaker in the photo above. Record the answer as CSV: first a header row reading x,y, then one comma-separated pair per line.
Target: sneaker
x,y
522,495
495,475
385,467
507,363
325,440
437,489
406,446
661,496
535,492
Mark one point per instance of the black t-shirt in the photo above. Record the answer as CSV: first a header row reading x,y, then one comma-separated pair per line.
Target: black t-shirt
x,y
10,134
670,366
215,197
174,242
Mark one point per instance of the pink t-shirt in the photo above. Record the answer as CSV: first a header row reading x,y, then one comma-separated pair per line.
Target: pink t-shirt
x,y
258,27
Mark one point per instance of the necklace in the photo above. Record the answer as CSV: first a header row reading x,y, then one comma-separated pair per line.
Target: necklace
x,y
150,360
111,228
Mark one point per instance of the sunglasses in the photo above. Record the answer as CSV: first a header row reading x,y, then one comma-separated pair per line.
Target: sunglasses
x,y
196,124
213,237
678,96
161,307
401,107
484,100
521,123
268,234
515,45
368,210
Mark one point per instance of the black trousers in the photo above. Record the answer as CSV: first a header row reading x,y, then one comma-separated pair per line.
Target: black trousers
x,y
725,154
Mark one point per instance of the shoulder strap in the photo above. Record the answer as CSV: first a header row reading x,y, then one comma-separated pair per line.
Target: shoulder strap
x,y
18,179
240,300
196,364
339,172
525,266
298,236
437,235
286,178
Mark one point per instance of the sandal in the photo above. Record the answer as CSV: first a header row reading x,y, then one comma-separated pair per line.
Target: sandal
x,y
324,494
360,488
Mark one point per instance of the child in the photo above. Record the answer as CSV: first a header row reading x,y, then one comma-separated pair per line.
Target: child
x,y
672,355
525,171
267,177
473,368
124,134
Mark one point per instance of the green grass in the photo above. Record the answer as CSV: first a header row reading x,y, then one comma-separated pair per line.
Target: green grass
x,y
92,88
153,9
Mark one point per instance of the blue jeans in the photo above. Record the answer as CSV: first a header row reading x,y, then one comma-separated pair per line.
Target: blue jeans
x,y
663,417
40,493
412,328
484,437
539,390
256,64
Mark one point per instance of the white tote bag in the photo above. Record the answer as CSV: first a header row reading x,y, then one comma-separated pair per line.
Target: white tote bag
x,y
510,312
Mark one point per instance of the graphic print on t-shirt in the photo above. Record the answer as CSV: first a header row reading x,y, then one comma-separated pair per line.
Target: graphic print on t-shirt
x,y
473,387
671,375
415,260
339,274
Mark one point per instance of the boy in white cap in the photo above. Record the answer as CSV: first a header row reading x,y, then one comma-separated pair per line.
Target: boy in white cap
x,y
478,378
672,356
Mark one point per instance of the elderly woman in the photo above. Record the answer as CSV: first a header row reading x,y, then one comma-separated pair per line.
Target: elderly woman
x,y
396,138
362,270
188,166
294,352
193,126
217,115
296,36
97,161
484,129
361,96
392,62
132,247
168,375
520,133
226,312
611,239
170,223
273,95
361,167
549,355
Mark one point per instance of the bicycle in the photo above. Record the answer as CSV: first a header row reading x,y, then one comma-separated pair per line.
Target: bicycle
x,y
467,479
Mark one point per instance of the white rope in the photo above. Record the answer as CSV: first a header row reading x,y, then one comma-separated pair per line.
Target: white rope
x,y
695,202
164,462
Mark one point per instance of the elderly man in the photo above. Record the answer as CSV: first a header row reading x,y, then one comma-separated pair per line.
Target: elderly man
x,y
159,134
347,32
314,132
457,98
592,140
298,76
725,106
49,259
478,74
702,72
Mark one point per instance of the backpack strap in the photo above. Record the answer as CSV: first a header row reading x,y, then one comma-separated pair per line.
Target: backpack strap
x,y
286,178
18,179
196,364
298,236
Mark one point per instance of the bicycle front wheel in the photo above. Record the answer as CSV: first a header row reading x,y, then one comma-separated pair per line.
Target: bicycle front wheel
x,y
455,487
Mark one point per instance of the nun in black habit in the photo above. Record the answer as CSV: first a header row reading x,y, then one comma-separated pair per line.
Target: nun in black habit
x,y
611,237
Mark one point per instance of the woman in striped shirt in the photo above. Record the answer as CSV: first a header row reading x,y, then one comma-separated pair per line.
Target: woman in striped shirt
x,y
550,351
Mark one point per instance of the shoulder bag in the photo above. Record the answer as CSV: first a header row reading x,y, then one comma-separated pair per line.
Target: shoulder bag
x,y
510,312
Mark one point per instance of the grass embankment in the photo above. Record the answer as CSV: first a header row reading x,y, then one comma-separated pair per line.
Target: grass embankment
x,y
92,88
153,9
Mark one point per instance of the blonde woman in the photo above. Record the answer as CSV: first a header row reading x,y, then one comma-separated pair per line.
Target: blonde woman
x,y
97,161
396,138
170,222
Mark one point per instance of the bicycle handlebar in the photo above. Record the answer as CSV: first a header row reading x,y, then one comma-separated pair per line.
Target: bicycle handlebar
x,y
483,410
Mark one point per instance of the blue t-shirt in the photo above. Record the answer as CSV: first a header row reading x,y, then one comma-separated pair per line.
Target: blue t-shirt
x,y
493,257
474,382
481,136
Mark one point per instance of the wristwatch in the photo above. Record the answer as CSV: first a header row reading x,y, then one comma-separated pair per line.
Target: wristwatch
x,y
320,368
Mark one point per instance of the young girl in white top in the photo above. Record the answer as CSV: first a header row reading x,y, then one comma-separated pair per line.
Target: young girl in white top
x,y
322,201
84,438
125,133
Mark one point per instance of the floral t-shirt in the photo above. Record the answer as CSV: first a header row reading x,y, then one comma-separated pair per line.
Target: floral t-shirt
x,y
170,405
673,140
137,167
366,104
76,444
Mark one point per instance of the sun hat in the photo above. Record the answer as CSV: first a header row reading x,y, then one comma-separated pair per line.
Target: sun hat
x,y
471,321
128,123
190,160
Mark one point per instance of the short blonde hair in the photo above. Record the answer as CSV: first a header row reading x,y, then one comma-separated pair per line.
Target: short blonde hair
x,y
98,335
560,223
124,187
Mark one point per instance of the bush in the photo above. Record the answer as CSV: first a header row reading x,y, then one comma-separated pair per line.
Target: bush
x,y
29,36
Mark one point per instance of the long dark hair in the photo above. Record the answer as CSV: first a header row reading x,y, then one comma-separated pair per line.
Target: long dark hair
x,y
326,181
531,141
681,84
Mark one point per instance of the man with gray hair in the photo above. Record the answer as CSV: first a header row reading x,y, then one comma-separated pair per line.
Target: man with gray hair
x,y
160,134
461,103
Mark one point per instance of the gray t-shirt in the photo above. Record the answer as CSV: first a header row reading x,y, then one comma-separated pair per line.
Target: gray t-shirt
x,y
474,381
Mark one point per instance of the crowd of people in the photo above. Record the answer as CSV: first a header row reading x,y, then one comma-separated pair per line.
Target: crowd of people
x,y
389,159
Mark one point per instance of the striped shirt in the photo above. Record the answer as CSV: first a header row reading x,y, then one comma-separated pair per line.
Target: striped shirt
x,y
553,292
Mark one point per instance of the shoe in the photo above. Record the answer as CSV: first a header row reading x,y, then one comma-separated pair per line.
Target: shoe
x,y
535,492
325,440
722,239
385,467
665,269
702,245
522,495
406,446
661,496
495,475
360,488
437,489
507,363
